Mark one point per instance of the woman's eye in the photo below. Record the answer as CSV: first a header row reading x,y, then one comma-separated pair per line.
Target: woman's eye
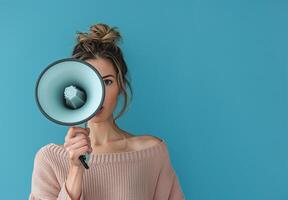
x,y
108,82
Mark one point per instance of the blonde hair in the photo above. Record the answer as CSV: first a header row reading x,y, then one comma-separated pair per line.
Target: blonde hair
x,y
102,42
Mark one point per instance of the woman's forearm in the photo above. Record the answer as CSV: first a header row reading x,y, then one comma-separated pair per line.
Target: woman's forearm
x,y
74,182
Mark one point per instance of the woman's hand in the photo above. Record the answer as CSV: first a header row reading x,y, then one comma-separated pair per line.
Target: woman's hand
x,y
77,142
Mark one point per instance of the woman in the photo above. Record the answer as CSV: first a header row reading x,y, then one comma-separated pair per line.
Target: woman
x,y
121,165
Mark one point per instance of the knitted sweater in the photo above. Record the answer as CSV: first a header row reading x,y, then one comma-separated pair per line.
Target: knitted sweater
x,y
145,174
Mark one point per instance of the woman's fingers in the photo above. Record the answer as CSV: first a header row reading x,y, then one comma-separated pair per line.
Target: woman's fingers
x,y
72,132
77,138
77,142
80,143
74,154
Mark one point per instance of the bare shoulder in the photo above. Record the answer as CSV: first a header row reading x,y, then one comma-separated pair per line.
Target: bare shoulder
x,y
145,141
150,139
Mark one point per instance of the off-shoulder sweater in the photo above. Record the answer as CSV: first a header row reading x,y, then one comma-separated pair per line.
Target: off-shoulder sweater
x,y
145,174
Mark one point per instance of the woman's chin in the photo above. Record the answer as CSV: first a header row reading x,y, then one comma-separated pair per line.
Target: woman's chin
x,y
99,117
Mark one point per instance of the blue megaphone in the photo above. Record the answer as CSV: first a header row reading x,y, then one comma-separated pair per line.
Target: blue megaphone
x,y
70,92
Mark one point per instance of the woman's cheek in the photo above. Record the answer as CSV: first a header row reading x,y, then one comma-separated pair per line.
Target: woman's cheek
x,y
111,100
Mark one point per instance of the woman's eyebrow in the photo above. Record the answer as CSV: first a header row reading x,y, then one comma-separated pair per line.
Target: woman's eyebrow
x,y
107,76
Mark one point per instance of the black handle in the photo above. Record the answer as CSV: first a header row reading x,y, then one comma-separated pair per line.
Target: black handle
x,y
82,159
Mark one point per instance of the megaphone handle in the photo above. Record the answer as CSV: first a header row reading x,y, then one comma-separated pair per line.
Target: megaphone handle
x,y
82,158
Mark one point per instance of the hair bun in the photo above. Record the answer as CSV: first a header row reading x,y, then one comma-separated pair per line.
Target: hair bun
x,y
101,33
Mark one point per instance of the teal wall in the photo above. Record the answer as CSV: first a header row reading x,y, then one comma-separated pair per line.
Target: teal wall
x,y
210,78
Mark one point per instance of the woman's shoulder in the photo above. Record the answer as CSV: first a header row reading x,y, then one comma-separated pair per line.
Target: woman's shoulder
x,y
45,152
146,141
43,149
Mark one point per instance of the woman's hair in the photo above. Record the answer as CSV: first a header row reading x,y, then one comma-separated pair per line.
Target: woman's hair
x,y
102,42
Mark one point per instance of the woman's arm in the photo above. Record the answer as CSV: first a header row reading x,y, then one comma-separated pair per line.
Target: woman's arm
x,y
168,186
45,184
74,182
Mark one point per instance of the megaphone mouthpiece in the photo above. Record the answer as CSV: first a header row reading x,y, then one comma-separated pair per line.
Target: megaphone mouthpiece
x,y
75,98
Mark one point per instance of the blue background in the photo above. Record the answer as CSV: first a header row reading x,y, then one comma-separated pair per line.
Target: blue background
x,y
210,78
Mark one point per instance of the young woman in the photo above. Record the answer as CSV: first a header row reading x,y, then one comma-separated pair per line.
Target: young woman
x,y
122,166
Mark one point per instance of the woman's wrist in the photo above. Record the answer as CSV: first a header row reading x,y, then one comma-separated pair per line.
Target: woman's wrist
x,y
75,168
74,181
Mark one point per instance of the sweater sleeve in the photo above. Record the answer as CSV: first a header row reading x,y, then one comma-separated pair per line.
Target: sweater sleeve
x,y
168,186
44,184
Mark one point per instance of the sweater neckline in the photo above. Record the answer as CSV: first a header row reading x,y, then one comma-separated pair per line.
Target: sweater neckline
x,y
119,156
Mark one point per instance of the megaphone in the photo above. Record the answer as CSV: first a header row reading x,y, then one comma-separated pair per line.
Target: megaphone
x,y
70,92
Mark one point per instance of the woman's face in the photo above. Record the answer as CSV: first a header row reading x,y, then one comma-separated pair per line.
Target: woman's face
x,y
106,70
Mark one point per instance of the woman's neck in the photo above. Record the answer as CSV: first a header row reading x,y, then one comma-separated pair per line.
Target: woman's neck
x,y
102,133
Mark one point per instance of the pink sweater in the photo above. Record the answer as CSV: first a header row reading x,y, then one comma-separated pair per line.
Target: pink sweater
x,y
145,174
